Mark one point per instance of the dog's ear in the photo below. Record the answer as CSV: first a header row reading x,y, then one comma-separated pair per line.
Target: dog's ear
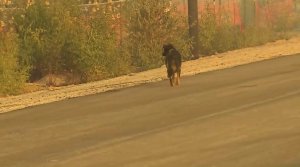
x,y
165,50
170,46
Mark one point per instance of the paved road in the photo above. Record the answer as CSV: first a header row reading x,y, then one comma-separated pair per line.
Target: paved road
x,y
247,116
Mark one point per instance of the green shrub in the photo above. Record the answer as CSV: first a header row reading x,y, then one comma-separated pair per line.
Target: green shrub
x,y
254,36
58,38
12,75
207,32
217,36
101,57
45,32
150,24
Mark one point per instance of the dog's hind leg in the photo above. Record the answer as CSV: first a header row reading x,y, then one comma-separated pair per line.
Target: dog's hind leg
x,y
177,78
171,82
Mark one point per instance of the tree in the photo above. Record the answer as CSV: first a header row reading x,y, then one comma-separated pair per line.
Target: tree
x,y
194,26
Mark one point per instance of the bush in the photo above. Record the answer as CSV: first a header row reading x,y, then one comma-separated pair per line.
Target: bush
x,y
217,36
254,36
12,75
101,57
151,23
46,32
58,39
207,32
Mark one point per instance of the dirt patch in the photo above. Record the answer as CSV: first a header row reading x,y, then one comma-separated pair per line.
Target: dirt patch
x,y
59,80
205,64
31,87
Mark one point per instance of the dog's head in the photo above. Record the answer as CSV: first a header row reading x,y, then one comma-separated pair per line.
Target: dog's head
x,y
167,48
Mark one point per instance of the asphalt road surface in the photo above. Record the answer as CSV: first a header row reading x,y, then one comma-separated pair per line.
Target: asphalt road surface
x,y
247,116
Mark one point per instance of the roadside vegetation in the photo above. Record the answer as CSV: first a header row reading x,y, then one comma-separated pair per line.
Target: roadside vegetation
x,y
59,39
218,34
12,74
151,23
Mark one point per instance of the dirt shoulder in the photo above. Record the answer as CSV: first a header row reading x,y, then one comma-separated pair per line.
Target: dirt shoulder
x,y
205,64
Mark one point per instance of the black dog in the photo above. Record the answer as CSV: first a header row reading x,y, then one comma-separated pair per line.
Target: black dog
x,y
173,63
